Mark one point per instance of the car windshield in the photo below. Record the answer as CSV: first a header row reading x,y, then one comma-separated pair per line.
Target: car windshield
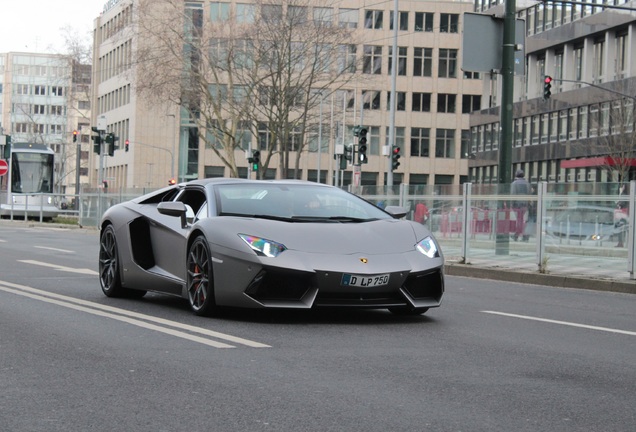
x,y
295,202
588,216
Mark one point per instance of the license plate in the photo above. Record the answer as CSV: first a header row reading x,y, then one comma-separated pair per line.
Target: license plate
x,y
364,280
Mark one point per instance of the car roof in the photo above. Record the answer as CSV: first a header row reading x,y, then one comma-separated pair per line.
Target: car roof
x,y
229,180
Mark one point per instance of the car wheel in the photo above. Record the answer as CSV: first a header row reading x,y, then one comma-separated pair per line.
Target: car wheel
x,y
199,280
404,311
109,267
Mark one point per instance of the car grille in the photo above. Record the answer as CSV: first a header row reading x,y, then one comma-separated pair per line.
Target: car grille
x,y
372,299
276,285
422,286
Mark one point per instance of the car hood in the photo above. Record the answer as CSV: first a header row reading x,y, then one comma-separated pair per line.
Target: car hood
x,y
383,236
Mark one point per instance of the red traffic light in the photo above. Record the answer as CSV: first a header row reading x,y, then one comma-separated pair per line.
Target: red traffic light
x,y
396,150
172,182
548,79
74,136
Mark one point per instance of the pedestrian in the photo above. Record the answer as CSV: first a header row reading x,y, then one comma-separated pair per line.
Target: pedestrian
x,y
520,186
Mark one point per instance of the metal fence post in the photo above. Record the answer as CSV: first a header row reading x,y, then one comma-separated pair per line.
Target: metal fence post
x,y
541,208
631,231
466,217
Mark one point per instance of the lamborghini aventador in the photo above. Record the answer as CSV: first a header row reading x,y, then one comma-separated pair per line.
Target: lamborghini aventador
x,y
269,244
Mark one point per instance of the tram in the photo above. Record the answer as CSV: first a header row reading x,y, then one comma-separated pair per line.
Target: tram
x,y
27,189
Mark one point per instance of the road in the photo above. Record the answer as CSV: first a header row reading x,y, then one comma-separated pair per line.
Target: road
x,y
495,357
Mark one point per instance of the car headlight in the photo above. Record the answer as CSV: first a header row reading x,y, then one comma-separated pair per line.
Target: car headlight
x,y
263,246
428,247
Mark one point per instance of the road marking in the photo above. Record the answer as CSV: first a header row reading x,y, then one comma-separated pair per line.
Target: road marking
x,y
61,268
54,249
565,323
130,317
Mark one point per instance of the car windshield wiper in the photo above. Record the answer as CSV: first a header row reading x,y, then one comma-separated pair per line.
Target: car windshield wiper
x,y
350,219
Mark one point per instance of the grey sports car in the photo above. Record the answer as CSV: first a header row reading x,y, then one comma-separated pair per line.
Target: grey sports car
x,y
269,244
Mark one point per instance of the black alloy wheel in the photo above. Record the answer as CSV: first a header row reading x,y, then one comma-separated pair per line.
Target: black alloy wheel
x,y
109,277
199,280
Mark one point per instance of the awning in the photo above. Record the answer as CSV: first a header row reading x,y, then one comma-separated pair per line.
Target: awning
x,y
597,162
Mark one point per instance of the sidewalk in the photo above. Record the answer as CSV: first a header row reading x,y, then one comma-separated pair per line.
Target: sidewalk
x,y
591,271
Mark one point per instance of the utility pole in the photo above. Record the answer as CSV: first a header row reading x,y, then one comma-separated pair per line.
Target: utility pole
x,y
505,147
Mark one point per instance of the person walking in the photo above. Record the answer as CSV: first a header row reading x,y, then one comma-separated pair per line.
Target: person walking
x,y
520,186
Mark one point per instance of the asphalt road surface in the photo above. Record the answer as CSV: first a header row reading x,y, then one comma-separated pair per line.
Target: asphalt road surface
x,y
495,356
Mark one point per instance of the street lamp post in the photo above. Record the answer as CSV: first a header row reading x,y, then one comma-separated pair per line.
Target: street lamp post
x,y
319,139
174,120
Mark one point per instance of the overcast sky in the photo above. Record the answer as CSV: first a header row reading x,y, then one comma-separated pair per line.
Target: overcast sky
x,y
34,25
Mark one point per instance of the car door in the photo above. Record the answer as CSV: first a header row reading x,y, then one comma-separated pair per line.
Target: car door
x,y
169,236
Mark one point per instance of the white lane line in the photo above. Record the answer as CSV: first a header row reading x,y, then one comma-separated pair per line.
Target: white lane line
x,y
54,249
139,316
61,268
565,323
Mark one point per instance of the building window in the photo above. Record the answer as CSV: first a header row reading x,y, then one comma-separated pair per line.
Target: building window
x,y
424,21
347,58
573,128
348,18
472,75
578,63
465,144
518,132
219,11
621,54
445,143
401,60
554,126
449,23
323,16
421,102
470,103
420,142
447,63
593,121
398,139
372,61
371,99
245,13
563,125
536,129
583,122
38,109
403,21
423,62
373,19
374,140
446,103
599,61
39,90
400,98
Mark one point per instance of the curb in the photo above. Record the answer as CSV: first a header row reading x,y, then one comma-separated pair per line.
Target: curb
x,y
559,281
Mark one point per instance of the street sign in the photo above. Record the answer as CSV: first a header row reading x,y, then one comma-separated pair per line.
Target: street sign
x,y
4,167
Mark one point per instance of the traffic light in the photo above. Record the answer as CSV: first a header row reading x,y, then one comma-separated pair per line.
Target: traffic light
x,y
172,182
347,156
256,160
97,143
105,183
395,158
547,85
74,136
362,146
110,140
7,147
126,145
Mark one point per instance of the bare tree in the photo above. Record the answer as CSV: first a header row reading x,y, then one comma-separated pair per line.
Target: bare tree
x,y
258,71
618,138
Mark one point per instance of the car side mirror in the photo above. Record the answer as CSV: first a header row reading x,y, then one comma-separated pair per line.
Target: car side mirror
x,y
397,212
175,209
